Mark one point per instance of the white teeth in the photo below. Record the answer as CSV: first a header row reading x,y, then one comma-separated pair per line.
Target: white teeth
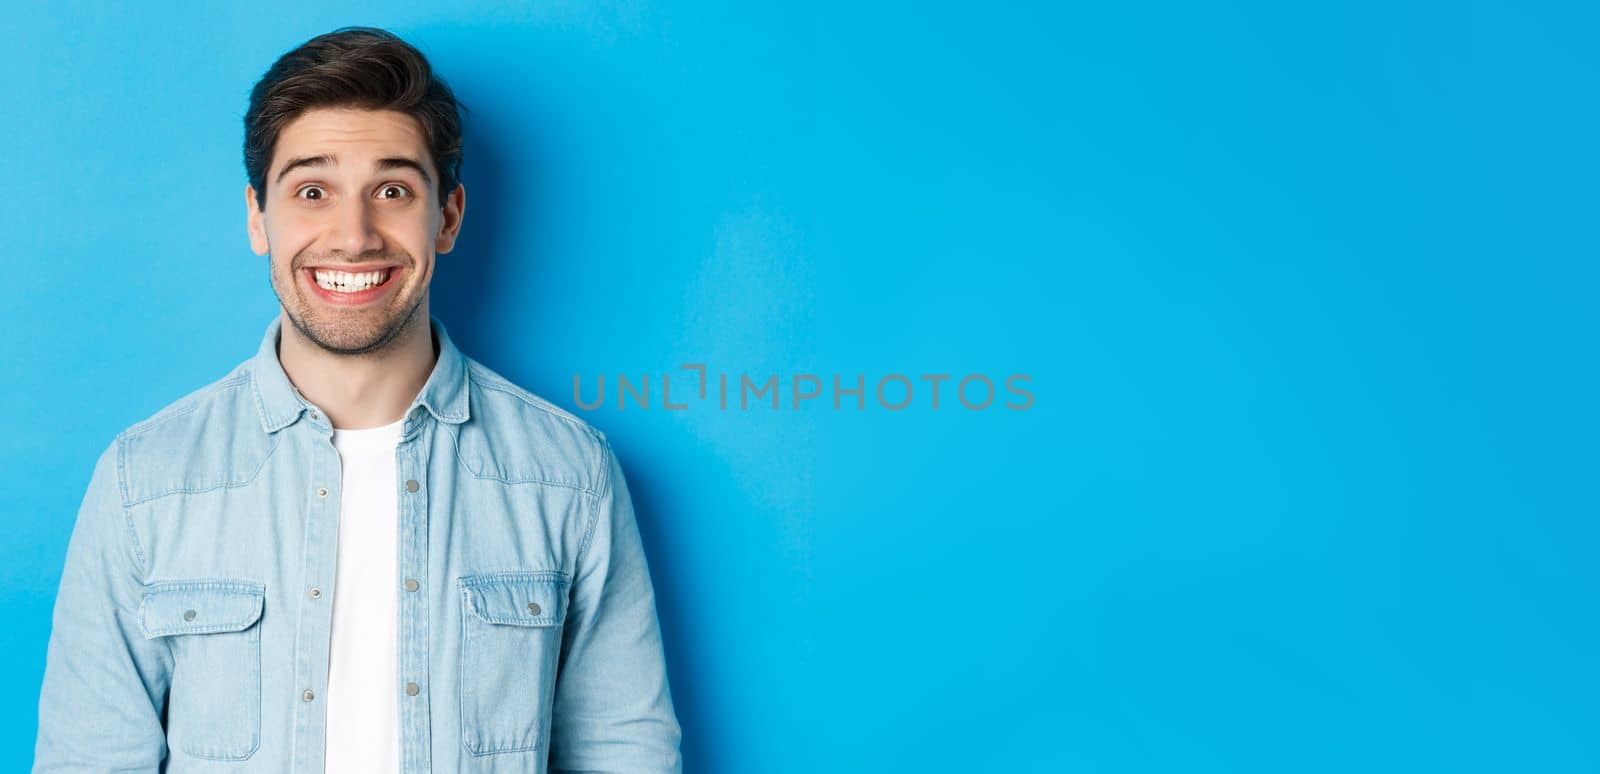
x,y
346,282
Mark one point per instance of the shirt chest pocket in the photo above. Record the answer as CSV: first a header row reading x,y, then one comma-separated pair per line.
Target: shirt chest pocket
x,y
510,647
214,702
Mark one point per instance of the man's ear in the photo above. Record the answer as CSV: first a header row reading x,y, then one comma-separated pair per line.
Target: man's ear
x,y
455,208
253,223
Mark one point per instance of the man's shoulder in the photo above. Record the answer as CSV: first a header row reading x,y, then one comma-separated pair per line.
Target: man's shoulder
x,y
227,393
504,391
518,436
202,440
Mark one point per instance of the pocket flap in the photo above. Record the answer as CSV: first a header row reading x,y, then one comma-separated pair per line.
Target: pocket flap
x,y
530,598
199,606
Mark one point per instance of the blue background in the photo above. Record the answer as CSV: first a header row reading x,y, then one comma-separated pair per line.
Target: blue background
x,y
1307,296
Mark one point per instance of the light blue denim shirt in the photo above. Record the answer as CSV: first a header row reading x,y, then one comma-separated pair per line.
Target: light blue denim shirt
x,y
191,629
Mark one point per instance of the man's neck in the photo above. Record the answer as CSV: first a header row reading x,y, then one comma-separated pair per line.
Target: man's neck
x,y
360,391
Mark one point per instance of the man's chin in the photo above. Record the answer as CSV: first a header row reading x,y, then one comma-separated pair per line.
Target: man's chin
x,y
346,337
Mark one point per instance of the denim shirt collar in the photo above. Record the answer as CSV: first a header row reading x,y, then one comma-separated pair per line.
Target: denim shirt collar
x,y
280,403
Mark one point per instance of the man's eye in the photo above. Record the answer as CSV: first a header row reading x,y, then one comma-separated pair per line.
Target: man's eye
x,y
400,191
308,191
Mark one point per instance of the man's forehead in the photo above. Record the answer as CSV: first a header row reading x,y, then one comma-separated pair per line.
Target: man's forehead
x,y
351,138
352,123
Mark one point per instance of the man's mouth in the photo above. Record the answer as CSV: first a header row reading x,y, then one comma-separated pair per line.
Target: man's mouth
x,y
350,282
343,287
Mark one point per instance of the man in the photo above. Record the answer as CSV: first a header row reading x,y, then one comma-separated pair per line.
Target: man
x,y
360,550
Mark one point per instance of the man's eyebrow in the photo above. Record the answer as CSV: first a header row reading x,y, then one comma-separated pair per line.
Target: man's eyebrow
x,y
305,161
382,165
402,162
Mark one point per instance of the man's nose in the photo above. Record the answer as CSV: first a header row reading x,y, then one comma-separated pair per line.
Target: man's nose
x,y
353,230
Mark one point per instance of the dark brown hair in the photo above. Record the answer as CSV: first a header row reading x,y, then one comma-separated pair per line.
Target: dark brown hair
x,y
359,67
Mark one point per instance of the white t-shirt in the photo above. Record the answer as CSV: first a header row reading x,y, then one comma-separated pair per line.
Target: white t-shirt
x,y
363,698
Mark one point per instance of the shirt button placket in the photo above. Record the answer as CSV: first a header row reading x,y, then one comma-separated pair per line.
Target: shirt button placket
x,y
414,716
312,640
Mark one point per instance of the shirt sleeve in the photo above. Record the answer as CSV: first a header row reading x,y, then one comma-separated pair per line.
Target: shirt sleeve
x,y
613,708
105,684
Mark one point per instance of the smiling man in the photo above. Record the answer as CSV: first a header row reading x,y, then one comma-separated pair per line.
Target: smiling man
x,y
360,550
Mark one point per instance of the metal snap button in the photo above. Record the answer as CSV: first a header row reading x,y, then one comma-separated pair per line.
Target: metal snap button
x,y
411,485
411,585
316,593
308,695
322,491
533,607
411,689
188,615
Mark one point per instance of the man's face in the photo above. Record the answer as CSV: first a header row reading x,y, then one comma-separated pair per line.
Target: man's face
x,y
353,222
